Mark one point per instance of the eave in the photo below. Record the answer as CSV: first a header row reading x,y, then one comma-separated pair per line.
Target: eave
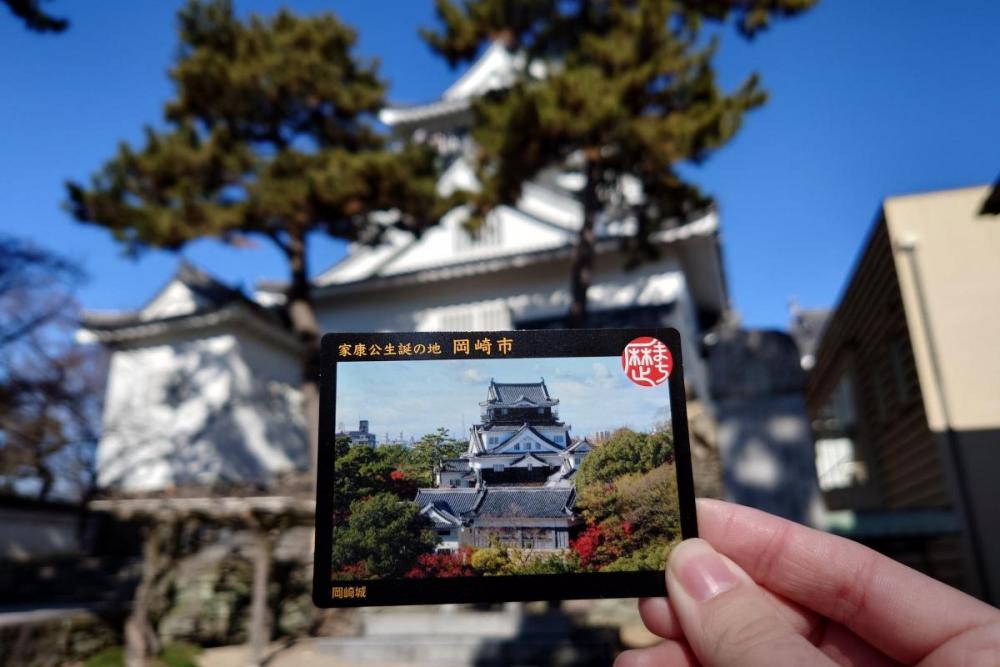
x,y
119,330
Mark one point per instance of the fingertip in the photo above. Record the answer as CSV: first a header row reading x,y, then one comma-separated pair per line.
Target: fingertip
x,y
673,653
659,618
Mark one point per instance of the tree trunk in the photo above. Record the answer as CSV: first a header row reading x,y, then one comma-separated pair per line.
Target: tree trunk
x,y
306,328
260,624
140,638
582,266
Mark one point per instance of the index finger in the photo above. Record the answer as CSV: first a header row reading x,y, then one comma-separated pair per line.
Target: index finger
x,y
899,611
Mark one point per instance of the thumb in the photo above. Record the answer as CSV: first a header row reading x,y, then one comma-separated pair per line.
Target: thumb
x,y
726,618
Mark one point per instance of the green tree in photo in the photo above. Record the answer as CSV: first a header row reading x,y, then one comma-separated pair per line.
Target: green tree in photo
x,y
360,472
269,136
618,91
626,452
434,448
385,534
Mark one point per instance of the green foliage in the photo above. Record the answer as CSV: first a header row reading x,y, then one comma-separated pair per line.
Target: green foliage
x,y
632,519
360,472
384,533
269,135
499,560
616,90
180,655
650,557
491,560
434,448
625,452
551,564
34,18
173,655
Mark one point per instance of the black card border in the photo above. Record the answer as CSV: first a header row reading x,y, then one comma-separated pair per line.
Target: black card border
x,y
513,588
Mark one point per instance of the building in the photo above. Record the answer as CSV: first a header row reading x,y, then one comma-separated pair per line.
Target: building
x,y
904,396
362,436
202,389
538,518
514,484
234,349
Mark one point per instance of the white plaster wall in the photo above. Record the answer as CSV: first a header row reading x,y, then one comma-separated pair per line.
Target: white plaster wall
x,y
528,292
498,300
214,406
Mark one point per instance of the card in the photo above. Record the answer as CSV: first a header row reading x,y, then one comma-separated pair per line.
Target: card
x,y
497,466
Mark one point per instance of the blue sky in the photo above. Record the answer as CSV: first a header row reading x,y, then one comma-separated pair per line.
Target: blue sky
x,y
868,99
418,397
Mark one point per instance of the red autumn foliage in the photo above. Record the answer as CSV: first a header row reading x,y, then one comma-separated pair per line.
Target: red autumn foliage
x,y
442,565
357,570
401,485
586,543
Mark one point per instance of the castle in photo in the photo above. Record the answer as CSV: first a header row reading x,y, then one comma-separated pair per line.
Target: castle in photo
x,y
514,484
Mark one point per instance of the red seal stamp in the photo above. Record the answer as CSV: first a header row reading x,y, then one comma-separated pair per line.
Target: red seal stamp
x,y
647,361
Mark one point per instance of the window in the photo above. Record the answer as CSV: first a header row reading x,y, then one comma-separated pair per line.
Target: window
x,y
557,438
497,467
837,462
517,447
541,411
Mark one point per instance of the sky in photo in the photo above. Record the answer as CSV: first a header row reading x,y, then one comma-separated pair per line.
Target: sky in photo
x,y
418,397
866,100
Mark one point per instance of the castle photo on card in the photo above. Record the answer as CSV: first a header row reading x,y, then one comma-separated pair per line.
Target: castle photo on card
x,y
486,466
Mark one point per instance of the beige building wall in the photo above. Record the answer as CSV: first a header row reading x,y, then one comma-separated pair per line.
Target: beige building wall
x,y
947,257
948,252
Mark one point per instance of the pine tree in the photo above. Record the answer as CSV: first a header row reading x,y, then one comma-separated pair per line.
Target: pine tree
x,y
615,90
269,134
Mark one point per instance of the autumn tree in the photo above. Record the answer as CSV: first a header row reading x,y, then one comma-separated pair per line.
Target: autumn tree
x,y
617,91
269,135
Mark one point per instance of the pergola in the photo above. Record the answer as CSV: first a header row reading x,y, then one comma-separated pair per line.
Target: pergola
x,y
266,516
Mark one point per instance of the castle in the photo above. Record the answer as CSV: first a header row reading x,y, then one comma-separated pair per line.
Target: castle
x,y
514,484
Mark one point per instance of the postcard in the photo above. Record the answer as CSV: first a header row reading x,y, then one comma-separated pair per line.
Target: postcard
x,y
498,466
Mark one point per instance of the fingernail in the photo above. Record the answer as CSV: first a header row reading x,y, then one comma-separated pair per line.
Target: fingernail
x,y
701,572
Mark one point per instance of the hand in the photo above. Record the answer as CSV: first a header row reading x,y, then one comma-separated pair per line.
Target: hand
x,y
772,592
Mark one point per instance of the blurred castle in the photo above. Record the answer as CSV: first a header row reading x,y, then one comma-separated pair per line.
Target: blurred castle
x,y
203,380
202,383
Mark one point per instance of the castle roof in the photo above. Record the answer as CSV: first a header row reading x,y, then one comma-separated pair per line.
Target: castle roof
x,y
511,393
517,431
527,502
502,502
455,465
191,299
453,501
